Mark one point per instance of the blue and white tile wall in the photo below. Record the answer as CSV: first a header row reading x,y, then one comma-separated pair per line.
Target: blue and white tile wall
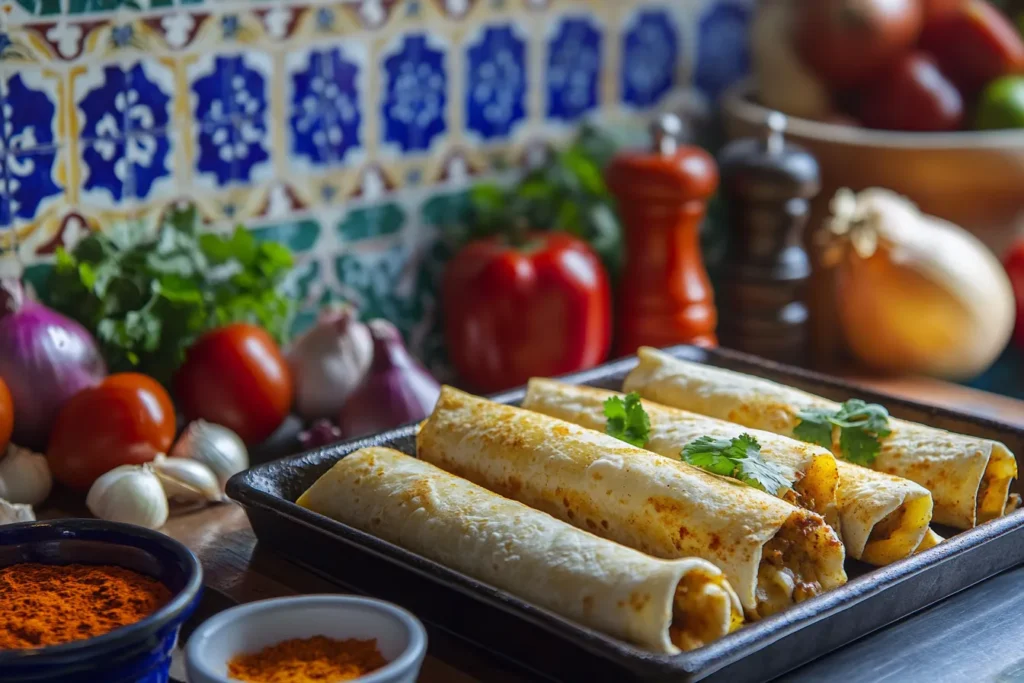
x,y
346,129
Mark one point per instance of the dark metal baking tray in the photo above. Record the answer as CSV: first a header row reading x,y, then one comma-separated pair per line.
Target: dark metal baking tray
x,y
556,648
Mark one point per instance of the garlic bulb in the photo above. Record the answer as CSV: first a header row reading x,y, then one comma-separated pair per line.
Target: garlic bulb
x,y
11,513
328,362
916,294
131,494
186,480
24,476
217,447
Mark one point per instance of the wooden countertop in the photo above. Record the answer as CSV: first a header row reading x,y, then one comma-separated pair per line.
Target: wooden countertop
x,y
237,571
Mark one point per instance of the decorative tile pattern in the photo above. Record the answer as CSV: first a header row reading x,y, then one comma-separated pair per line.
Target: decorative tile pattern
x,y
496,82
573,68
347,129
415,94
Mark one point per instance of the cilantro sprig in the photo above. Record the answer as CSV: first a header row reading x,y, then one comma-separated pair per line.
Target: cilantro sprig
x,y
739,458
627,419
146,298
861,426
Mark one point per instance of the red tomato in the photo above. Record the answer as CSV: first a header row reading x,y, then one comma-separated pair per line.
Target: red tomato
x,y
514,313
847,42
974,45
127,419
1014,263
935,9
914,96
235,376
6,417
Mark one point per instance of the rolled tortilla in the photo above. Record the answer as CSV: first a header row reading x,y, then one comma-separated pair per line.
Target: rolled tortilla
x,y
930,540
883,518
772,553
968,477
664,606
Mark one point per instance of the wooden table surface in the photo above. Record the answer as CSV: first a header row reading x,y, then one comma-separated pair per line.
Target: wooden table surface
x,y
237,571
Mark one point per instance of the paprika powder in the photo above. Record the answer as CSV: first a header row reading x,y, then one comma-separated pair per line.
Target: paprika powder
x,y
43,604
308,660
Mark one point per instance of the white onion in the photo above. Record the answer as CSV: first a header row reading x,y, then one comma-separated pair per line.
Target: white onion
x,y
916,294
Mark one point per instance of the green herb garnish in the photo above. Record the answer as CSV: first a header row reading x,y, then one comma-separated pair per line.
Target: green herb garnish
x,y
739,458
627,419
147,298
861,426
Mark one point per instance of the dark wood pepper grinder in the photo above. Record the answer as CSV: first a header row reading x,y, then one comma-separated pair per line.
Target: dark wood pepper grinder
x,y
665,296
767,185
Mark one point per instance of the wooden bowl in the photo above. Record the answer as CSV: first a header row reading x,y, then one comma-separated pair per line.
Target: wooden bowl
x,y
974,179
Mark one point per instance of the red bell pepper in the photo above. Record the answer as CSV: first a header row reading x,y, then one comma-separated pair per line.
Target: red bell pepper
x,y
512,312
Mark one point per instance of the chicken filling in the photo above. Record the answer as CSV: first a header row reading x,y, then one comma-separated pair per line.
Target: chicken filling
x,y
785,575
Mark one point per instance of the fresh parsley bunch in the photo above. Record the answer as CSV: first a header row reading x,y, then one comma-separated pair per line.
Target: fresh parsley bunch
x,y
739,458
861,425
627,419
146,300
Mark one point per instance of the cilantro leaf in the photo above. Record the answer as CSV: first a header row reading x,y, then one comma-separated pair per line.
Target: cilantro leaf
x,y
739,458
815,426
861,426
627,419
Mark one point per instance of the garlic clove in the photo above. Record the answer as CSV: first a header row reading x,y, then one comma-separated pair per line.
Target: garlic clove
x,y
11,513
24,476
187,480
215,446
131,494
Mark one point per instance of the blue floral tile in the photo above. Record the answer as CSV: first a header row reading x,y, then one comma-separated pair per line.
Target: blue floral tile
x,y
573,69
231,109
496,82
28,153
415,94
27,186
650,52
723,51
325,113
125,145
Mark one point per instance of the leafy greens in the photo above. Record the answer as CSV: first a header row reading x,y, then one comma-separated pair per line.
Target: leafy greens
x,y
146,300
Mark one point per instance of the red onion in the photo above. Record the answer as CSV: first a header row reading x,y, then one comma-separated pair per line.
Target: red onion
x,y
396,389
320,433
45,359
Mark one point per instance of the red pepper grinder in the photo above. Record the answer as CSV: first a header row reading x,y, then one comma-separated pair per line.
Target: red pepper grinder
x,y
665,296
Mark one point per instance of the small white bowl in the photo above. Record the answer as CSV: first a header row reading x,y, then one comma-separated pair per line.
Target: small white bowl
x,y
252,627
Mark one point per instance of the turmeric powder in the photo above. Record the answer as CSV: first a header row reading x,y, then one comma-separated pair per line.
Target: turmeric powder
x,y
308,660
44,605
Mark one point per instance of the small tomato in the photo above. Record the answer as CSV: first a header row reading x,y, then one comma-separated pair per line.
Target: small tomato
x,y
974,45
913,96
848,42
1014,263
6,417
127,419
236,376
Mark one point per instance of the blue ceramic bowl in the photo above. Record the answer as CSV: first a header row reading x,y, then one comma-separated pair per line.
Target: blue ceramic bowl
x,y
140,653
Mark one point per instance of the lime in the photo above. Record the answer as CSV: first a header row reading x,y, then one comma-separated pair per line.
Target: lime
x,y
1001,105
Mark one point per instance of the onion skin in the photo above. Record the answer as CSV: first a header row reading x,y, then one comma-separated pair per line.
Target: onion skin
x,y
930,300
395,391
45,359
